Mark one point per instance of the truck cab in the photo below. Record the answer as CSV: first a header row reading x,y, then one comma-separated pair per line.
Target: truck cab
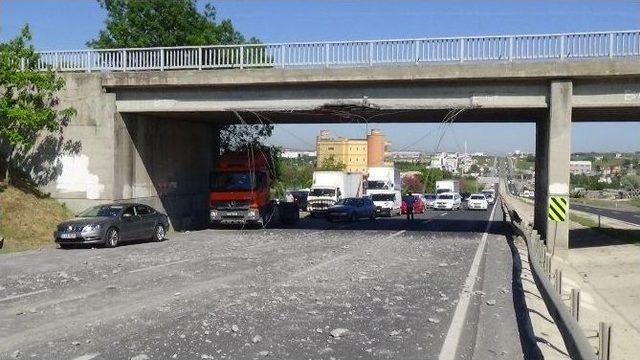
x,y
239,191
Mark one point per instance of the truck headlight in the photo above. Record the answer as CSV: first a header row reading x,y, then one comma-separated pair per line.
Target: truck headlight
x,y
253,213
213,214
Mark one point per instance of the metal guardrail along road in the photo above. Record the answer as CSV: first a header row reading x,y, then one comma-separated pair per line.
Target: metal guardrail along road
x,y
350,53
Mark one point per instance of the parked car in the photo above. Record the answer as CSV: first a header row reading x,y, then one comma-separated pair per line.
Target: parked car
x,y
418,205
352,209
477,202
431,198
111,224
448,201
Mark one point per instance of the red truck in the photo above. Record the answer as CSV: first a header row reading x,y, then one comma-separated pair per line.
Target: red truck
x,y
239,191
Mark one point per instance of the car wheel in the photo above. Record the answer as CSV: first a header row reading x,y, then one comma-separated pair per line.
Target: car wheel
x,y
353,217
159,233
112,238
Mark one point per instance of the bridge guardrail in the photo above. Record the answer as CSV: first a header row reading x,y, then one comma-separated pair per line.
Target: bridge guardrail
x,y
576,341
350,53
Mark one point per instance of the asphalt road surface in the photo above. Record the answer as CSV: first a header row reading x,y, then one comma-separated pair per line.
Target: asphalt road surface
x,y
623,215
394,286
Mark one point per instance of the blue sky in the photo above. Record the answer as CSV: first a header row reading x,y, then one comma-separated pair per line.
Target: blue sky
x,y
69,24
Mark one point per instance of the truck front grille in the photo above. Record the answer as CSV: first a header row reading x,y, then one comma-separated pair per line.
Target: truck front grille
x,y
232,205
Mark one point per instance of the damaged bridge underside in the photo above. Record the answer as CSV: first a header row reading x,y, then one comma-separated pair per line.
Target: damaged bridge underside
x,y
153,136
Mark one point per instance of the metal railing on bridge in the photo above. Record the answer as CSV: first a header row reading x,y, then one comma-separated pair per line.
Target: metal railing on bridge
x,y
351,53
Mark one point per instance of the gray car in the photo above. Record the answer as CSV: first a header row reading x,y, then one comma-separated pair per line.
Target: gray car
x,y
112,224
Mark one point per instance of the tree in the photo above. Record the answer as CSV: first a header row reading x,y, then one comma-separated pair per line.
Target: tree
x,y
630,182
158,23
143,23
28,102
331,164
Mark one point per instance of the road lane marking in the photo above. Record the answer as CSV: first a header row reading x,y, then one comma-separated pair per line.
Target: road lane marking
x,y
450,346
443,214
23,295
158,266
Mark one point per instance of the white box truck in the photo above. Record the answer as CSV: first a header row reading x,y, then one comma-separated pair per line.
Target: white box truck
x,y
443,186
331,186
383,178
383,186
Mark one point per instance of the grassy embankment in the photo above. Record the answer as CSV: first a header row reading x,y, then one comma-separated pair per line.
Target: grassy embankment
x,y
609,204
627,235
28,218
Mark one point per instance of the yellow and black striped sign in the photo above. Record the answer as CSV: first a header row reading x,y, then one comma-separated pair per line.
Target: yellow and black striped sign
x,y
558,207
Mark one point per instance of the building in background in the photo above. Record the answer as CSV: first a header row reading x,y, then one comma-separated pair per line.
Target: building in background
x,y
579,167
357,154
295,154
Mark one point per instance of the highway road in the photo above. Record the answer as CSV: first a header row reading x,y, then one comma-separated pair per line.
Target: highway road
x,y
623,215
394,287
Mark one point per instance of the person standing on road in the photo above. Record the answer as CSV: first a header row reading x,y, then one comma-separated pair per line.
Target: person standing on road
x,y
410,201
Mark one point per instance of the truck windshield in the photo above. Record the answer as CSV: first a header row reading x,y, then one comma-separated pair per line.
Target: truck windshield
x,y
383,197
322,192
442,190
445,197
376,185
237,180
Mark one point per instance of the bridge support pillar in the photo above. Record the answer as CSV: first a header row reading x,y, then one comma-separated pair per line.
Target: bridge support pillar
x,y
553,153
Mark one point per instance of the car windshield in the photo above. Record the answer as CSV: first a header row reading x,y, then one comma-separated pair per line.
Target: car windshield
x,y
348,202
375,184
102,210
477,197
322,192
430,197
445,197
383,197
237,180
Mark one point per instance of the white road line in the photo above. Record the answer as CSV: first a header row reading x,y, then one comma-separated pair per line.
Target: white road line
x,y
158,266
443,214
450,346
23,295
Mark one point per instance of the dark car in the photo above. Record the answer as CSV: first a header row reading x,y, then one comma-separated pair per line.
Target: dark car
x,y
111,224
352,209
300,198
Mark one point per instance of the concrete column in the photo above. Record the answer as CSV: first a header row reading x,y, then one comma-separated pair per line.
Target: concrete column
x,y
541,178
558,157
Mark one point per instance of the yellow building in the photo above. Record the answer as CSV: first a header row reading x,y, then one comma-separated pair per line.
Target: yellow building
x,y
356,154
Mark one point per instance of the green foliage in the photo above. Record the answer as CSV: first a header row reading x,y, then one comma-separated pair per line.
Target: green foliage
x,y
429,176
630,182
469,184
236,136
295,174
331,164
27,97
144,23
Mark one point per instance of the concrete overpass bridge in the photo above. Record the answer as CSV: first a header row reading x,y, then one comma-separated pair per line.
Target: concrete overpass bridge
x,y
149,119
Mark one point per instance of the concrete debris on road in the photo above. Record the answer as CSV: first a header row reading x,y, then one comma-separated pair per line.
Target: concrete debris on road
x,y
339,332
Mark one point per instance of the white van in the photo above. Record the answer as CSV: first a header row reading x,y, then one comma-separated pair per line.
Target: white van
x,y
448,201
387,203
